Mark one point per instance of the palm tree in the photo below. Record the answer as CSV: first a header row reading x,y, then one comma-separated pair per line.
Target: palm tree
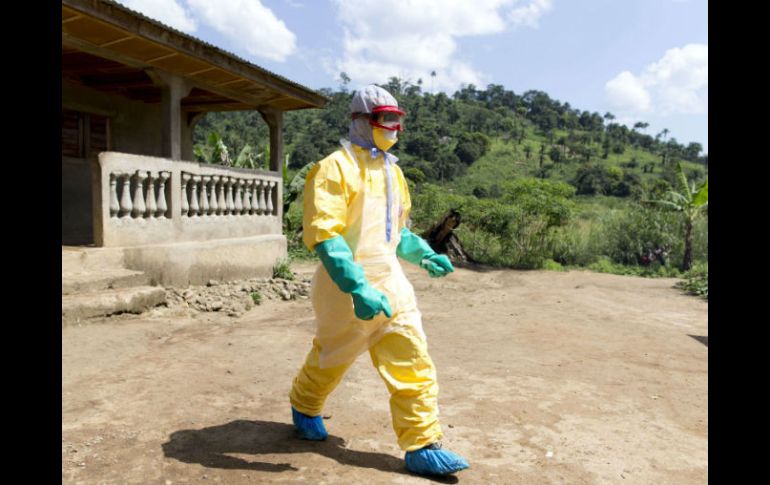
x,y
665,132
692,202
432,77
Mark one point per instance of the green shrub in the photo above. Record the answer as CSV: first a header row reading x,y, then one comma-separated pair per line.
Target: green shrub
x,y
697,280
551,265
576,244
628,235
514,231
256,297
700,239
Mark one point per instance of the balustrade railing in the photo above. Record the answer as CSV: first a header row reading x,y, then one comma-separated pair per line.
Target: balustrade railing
x,y
146,200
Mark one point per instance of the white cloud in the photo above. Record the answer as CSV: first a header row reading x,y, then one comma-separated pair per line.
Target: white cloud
x,y
675,84
169,12
249,26
626,93
530,14
411,38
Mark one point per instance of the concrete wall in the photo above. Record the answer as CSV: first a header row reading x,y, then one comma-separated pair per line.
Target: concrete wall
x,y
135,127
187,263
195,263
76,201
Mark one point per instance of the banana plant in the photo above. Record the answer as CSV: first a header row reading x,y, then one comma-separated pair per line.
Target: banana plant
x,y
214,151
295,187
689,200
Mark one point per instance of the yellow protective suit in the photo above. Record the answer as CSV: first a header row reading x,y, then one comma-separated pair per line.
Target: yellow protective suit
x,y
345,196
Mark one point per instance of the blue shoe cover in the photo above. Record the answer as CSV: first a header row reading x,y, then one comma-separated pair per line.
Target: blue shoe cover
x,y
309,428
432,460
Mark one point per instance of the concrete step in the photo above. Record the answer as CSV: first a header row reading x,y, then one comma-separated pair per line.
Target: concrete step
x,y
108,302
77,258
104,279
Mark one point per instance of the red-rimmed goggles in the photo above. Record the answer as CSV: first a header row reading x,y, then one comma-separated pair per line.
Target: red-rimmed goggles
x,y
385,117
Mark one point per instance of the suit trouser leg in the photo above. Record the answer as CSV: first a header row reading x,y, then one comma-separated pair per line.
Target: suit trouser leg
x,y
312,385
403,362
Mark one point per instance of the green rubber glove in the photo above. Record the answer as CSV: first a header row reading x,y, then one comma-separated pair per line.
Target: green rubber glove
x,y
337,258
417,251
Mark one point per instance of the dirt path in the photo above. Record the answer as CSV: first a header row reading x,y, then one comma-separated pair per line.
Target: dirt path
x,y
575,378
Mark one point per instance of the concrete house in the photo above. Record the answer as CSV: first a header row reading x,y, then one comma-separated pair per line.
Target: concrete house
x,y
133,200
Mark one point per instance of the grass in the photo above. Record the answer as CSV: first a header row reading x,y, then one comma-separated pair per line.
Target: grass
x,y
283,270
604,265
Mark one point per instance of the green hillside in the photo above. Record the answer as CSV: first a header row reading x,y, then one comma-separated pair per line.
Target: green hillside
x,y
517,156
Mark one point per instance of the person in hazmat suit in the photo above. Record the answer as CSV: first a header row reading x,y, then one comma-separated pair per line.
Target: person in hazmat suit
x,y
356,203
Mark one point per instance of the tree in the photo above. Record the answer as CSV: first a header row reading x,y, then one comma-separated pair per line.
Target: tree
x,y
563,142
691,202
528,150
664,150
292,189
471,146
415,175
344,80
422,144
693,151
554,154
542,154
592,180
432,77
606,147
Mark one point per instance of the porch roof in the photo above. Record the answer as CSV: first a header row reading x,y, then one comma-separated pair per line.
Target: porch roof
x,y
109,47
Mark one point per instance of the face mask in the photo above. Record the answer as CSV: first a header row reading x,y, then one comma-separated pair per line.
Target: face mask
x,y
384,139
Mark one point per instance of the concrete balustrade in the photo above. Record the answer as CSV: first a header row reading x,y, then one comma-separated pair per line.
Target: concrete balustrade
x,y
141,200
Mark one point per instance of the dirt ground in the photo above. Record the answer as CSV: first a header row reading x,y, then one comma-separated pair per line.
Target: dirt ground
x,y
545,378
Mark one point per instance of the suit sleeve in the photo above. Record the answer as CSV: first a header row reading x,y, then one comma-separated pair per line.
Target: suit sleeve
x,y
325,206
406,200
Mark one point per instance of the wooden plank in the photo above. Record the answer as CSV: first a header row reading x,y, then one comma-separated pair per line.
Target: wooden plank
x,y
113,42
71,19
232,81
160,58
201,71
95,50
107,85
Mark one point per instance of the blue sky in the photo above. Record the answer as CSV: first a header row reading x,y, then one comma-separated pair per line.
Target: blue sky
x,y
641,60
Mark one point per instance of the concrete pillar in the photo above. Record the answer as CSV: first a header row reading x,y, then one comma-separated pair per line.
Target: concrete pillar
x,y
191,119
173,89
274,120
